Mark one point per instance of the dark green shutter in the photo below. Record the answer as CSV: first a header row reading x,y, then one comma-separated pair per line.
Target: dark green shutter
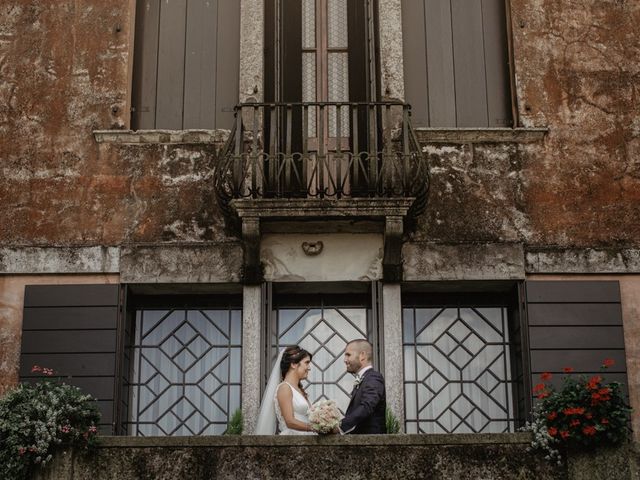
x,y
73,330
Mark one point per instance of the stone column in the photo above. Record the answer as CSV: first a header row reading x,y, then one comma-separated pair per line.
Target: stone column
x,y
391,59
393,364
251,50
251,327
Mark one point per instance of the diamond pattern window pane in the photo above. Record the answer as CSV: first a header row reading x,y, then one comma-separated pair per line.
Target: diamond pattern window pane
x,y
186,371
308,23
339,91
337,23
324,332
457,373
309,89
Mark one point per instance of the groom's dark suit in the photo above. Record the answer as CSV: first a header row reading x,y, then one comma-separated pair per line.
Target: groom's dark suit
x,y
366,411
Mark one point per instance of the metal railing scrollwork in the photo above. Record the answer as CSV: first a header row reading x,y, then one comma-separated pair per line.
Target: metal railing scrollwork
x,y
324,150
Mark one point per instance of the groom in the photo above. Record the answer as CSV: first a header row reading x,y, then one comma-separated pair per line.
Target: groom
x,y
366,411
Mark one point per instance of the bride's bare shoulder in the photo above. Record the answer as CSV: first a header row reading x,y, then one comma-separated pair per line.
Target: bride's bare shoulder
x,y
284,391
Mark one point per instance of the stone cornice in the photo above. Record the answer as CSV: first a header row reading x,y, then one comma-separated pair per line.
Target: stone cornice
x,y
305,208
480,135
138,137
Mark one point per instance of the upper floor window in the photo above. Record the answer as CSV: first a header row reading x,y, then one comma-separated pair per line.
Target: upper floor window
x,y
456,63
186,64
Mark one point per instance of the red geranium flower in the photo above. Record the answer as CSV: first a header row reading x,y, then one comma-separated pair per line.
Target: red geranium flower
x,y
36,369
588,416
553,431
608,362
589,430
545,376
552,416
575,422
604,421
543,395
573,411
539,387
594,382
564,434
567,369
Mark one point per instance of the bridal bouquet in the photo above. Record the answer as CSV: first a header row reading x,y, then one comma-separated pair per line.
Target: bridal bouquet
x,y
324,416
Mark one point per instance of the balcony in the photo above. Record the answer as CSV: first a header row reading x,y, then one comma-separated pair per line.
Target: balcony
x,y
323,161
322,151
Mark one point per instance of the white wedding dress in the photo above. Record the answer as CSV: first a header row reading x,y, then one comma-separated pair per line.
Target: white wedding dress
x,y
300,411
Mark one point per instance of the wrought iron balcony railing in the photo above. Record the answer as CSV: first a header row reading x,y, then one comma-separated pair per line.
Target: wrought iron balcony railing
x,y
322,150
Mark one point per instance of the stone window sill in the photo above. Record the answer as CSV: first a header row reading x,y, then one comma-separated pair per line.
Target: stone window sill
x,y
480,135
138,137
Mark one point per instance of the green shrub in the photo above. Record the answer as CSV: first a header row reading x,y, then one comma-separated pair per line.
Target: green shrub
x,y
36,419
235,424
393,425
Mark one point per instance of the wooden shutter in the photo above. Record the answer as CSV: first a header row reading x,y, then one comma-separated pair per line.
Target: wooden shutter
x,y
73,330
456,63
575,324
186,64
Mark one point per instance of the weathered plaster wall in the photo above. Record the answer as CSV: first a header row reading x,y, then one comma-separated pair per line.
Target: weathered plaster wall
x,y
64,69
630,300
11,305
64,73
577,73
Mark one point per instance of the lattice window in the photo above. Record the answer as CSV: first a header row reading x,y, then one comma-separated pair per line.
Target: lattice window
x,y
324,332
457,375
186,372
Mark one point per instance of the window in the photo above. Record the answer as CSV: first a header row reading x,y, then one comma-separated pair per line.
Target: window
x,y
186,64
456,63
461,365
184,370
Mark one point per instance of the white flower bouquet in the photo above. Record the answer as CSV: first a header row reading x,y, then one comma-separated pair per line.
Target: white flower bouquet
x,y
324,416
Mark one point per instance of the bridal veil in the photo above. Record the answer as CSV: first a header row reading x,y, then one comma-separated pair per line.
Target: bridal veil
x,y
266,424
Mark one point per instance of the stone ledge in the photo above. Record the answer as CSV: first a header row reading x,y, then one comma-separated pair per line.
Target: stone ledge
x,y
584,260
304,208
480,135
138,137
41,260
308,441
181,263
425,261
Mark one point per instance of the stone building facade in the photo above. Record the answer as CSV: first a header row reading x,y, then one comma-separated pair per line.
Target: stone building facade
x,y
523,257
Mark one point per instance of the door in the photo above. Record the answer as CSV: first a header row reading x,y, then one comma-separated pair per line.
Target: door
x,y
319,54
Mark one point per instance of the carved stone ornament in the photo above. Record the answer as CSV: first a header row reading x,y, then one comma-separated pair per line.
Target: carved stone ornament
x,y
312,248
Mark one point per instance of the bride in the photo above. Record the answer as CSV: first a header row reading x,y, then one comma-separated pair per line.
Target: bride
x,y
285,401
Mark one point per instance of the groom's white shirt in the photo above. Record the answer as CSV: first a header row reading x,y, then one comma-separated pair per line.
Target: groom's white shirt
x,y
358,377
362,370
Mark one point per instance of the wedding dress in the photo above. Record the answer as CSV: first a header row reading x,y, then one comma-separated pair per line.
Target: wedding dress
x,y
270,415
300,409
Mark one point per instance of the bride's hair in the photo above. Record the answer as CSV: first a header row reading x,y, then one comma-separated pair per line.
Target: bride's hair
x,y
293,354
